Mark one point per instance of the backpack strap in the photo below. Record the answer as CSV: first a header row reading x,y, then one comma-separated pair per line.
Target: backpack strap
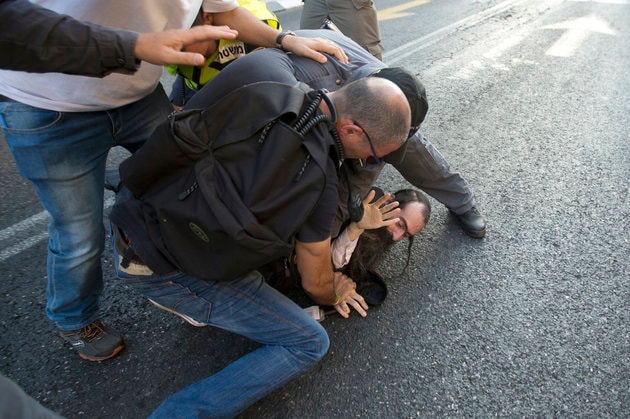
x,y
282,102
185,138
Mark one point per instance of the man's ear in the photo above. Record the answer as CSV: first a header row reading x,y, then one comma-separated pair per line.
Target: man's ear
x,y
348,127
207,18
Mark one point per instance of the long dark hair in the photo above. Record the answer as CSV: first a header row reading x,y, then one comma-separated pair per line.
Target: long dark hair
x,y
373,245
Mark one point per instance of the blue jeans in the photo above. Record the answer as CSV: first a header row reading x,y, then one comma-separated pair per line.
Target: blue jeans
x,y
292,342
64,155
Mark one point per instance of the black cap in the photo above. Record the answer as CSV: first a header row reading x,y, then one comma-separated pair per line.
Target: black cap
x,y
372,288
413,90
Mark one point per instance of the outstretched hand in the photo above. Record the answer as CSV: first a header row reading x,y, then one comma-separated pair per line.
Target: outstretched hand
x,y
163,48
380,213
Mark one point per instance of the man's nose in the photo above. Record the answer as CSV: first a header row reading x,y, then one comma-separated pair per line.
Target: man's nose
x,y
396,233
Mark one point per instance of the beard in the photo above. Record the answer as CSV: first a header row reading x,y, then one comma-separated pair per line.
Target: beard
x,y
371,249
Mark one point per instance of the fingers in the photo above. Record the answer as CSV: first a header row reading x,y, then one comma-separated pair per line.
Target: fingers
x,y
370,196
355,301
343,309
331,48
186,58
379,214
389,209
313,47
198,34
343,285
390,214
312,54
386,209
207,33
358,303
163,48
385,199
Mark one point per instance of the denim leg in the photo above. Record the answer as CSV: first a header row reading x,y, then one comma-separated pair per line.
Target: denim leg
x,y
64,156
180,92
292,341
292,344
134,123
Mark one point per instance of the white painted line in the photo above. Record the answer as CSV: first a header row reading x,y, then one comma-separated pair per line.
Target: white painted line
x,y
35,223
22,246
410,48
577,30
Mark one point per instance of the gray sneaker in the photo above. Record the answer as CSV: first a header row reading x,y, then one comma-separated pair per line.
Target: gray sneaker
x,y
95,342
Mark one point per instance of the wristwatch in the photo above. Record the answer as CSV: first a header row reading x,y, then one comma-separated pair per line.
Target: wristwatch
x,y
281,36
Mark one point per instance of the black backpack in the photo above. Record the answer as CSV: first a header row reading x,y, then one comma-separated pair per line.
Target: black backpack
x,y
216,197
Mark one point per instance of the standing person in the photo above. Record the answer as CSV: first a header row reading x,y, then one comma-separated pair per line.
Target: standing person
x,y
30,35
291,341
60,129
357,19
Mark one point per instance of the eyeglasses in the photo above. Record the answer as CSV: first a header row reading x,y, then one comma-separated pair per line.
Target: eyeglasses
x,y
413,130
406,235
376,158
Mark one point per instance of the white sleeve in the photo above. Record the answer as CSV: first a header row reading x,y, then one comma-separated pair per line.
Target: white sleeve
x,y
341,249
218,6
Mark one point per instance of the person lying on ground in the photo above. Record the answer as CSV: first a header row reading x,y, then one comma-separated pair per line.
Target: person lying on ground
x,y
362,245
371,245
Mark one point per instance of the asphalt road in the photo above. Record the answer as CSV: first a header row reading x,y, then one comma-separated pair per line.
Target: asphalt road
x,y
529,101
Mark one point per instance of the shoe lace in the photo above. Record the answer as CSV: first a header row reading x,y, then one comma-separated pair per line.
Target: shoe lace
x,y
92,331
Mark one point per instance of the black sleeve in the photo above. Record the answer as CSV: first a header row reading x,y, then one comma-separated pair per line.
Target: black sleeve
x,y
319,224
35,39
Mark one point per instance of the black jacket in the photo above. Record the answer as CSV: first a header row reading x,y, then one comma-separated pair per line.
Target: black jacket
x,y
38,40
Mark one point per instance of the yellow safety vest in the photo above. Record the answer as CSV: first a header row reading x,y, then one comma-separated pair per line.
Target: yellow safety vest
x,y
227,50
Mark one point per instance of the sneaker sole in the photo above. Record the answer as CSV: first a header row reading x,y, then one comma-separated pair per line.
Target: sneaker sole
x,y
99,359
188,319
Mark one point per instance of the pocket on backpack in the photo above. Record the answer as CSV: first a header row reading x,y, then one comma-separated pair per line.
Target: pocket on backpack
x,y
210,233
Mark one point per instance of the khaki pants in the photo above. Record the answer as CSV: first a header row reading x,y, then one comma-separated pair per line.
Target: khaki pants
x,y
355,18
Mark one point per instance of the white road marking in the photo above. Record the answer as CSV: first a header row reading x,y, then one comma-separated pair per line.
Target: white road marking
x,y
412,47
577,30
31,229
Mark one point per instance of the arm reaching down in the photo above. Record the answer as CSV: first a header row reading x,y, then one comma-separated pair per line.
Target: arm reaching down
x,y
322,284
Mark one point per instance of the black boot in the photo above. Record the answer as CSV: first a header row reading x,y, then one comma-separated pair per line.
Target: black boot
x,y
472,222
